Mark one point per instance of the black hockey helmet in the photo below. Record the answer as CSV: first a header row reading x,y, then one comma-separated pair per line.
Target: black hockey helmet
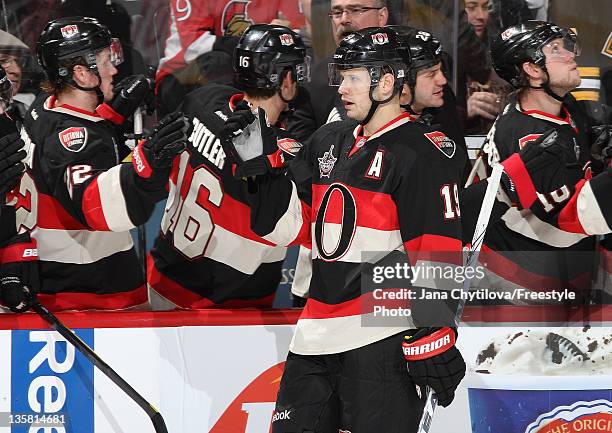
x,y
6,90
524,43
420,50
66,42
264,52
377,49
374,48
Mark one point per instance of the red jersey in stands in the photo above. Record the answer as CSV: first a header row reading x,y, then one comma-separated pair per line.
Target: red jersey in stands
x,y
195,25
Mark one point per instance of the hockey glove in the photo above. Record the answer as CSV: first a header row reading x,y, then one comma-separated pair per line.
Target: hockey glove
x,y
19,280
540,166
153,157
129,94
601,149
11,167
434,361
252,143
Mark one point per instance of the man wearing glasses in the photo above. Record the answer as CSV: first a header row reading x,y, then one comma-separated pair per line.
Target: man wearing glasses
x,y
346,16
13,54
351,15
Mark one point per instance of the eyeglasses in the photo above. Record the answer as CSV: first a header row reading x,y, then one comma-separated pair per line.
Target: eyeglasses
x,y
6,61
352,11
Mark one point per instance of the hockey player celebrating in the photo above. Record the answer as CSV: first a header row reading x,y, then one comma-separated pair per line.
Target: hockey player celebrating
x,y
422,96
76,197
386,184
548,246
206,254
354,189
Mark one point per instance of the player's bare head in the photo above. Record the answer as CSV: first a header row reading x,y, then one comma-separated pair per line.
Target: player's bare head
x,y
537,55
351,15
271,60
368,70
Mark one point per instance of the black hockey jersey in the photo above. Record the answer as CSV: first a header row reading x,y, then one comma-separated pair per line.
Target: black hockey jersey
x,y
395,190
14,247
206,254
79,204
546,249
444,119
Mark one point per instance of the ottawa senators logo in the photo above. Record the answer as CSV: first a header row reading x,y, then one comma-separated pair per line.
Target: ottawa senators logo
x,y
239,21
286,39
508,33
69,30
380,38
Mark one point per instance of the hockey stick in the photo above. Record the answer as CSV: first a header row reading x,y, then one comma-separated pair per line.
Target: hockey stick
x,y
156,418
471,260
142,235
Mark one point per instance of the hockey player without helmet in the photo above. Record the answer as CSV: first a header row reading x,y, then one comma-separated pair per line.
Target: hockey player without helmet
x,y
264,52
530,42
376,49
66,42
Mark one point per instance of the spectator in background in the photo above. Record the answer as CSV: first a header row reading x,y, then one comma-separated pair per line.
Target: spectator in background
x,y
539,9
305,7
13,55
485,99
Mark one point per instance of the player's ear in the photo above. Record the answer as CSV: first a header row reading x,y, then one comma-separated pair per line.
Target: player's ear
x,y
386,83
383,17
81,75
405,96
287,79
532,71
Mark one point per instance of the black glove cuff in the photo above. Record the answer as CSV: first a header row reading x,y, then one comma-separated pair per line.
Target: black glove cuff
x,y
253,167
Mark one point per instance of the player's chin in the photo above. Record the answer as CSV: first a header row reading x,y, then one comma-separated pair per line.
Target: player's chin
x,y
352,114
575,79
437,100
